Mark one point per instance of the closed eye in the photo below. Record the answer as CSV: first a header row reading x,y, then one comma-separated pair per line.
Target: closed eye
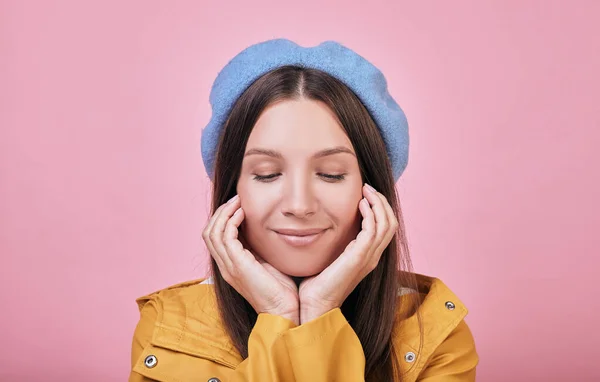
x,y
270,177
265,178
333,177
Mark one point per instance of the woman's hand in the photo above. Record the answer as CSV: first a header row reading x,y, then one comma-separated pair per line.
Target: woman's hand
x,y
264,287
328,290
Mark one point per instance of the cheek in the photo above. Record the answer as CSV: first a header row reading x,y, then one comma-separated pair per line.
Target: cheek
x,y
343,207
256,205
253,214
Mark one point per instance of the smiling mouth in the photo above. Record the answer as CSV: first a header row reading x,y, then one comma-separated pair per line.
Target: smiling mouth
x,y
300,240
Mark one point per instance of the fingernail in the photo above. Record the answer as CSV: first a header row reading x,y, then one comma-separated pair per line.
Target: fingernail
x,y
370,188
232,199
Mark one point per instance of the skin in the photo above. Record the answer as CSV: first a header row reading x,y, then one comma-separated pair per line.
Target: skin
x,y
301,191
303,194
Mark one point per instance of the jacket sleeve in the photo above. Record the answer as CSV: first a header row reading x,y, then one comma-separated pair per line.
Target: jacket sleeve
x,y
324,349
454,360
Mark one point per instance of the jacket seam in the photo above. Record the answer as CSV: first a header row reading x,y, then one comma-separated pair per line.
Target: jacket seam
x,y
178,347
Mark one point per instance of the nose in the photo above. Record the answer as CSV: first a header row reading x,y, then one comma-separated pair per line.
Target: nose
x,y
298,198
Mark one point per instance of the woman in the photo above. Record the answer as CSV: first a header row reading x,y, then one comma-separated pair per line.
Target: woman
x,y
310,275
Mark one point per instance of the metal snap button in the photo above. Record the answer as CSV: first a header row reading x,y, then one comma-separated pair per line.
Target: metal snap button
x,y
214,380
450,305
150,361
410,357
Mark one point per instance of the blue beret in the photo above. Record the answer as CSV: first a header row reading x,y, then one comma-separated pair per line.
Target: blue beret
x,y
362,77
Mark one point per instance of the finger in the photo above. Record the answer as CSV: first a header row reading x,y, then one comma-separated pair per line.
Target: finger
x,y
232,225
243,240
236,254
363,245
232,245
220,210
213,237
357,250
381,219
211,249
218,228
215,255
353,261
222,267
366,241
248,247
391,216
206,233
393,223
350,245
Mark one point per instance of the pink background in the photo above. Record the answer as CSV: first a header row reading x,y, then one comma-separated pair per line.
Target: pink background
x,y
103,195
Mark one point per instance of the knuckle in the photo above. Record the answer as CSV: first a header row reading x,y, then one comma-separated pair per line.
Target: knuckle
x,y
363,235
228,244
357,262
370,233
372,265
385,225
234,273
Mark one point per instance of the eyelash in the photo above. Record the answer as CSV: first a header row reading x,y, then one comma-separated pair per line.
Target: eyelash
x,y
267,178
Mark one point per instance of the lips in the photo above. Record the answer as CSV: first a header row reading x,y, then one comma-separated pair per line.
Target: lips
x,y
299,232
300,238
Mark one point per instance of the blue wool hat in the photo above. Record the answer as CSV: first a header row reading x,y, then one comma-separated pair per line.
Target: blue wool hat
x,y
362,77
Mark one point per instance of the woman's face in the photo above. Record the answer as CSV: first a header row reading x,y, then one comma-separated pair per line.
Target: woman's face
x,y
299,173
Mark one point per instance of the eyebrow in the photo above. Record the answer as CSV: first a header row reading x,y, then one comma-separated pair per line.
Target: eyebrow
x,y
318,154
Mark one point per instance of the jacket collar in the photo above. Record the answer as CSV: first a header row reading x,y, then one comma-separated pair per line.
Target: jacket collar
x,y
188,321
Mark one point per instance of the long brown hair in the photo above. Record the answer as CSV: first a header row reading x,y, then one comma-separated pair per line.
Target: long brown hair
x,y
371,309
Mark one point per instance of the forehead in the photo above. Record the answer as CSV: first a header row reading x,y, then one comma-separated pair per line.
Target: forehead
x,y
297,126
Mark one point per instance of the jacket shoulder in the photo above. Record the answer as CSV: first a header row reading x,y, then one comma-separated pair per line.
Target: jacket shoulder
x,y
433,337
455,358
169,291
180,328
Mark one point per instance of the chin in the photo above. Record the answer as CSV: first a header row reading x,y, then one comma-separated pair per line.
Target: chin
x,y
296,262
300,272
297,269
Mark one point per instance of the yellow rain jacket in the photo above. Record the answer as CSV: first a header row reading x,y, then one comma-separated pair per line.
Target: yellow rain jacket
x,y
180,338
